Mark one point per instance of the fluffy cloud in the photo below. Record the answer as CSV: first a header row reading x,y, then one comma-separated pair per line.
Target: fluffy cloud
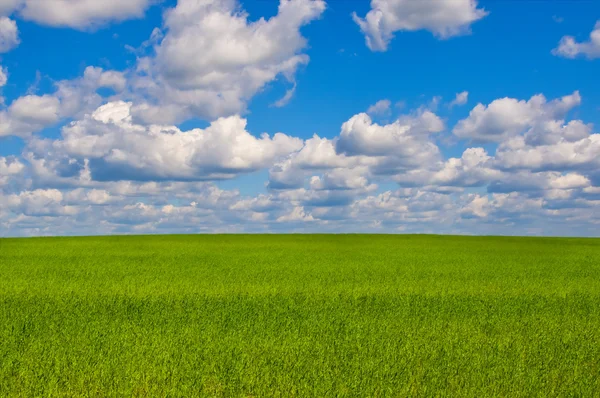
x,y
474,168
109,174
568,47
507,117
189,207
9,168
406,138
9,34
212,60
563,155
297,214
362,150
443,18
31,113
40,202
78,14
117,148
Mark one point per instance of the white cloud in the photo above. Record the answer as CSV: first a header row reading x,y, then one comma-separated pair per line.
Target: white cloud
x,y
3,76
478,206
568,47
443,18
316,154
108,173
564,155
9,168
283,101
507,117
474,168
381,107
9,34
261,203
39,202
569,181
78,14
297,214
460,99
342,179
212,60
31,113
406,138
117,148
362,150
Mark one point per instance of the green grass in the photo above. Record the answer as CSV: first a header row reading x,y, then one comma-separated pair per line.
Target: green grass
x,y
300,315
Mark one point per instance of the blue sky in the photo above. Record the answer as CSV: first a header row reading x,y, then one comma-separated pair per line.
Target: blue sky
x,y
146,117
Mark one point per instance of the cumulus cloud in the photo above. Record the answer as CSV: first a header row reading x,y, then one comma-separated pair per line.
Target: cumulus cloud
x,y
40,202
9,34
297,214
406,138
31,113
117,148
564,155
212,60
9,168
362,150
474,168
78,14
107,173
443,18
507,117
568,46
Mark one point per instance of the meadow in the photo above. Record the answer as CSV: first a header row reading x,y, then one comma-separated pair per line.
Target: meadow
x,y
299,315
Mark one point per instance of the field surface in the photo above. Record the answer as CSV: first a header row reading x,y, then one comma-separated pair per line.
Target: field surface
x,y
300,315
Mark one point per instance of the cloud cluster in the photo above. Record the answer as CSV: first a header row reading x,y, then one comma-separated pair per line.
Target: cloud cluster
x,y
443,18
506,117
78,14
120,164
568,46
211,60
109,145
9,34
31,113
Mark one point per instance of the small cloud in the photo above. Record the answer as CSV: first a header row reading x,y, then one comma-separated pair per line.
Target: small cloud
x,y
286,98
34,87
380,107
435,101
3,76
155,37
569,47
460,99
557,19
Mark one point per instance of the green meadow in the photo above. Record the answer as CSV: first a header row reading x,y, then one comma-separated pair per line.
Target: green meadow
x,y
299,316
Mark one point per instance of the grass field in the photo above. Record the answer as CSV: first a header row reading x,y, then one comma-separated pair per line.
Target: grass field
x,y
299,315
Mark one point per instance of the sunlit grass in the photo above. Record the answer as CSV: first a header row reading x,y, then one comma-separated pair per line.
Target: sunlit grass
x,y
299,315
